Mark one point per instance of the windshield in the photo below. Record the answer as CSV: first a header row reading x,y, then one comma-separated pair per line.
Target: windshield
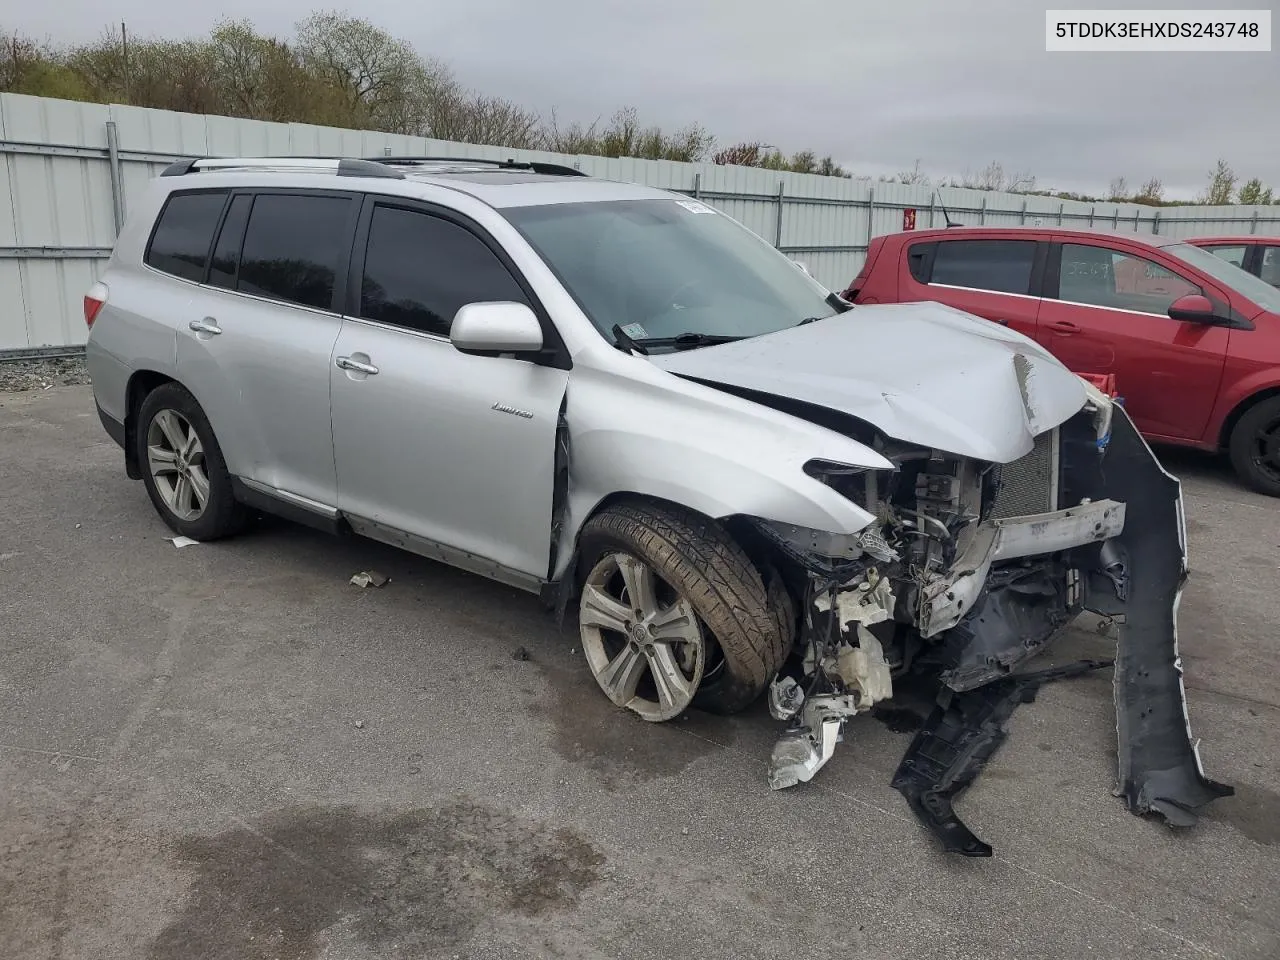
x,y
1244,283
662,268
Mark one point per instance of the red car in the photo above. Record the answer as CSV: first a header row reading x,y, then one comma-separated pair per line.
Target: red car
x,y
1259,255
1192,341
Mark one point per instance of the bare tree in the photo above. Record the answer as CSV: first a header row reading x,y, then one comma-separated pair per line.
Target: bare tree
x,y
1152,192
913,177
1118,189
384,80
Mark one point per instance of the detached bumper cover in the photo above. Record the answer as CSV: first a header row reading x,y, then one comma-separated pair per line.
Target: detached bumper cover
x,y
1140,580
1136,577
955,743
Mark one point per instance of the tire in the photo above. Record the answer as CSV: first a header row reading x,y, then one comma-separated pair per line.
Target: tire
x,y
1254,447
751,626
167,409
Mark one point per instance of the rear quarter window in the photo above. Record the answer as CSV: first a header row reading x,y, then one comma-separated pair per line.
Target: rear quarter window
x,y
184,232
920,261
1002,266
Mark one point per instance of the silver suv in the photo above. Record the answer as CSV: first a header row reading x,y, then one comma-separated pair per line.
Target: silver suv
x,y
624,401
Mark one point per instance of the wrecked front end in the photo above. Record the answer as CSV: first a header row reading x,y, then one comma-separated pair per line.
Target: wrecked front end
x,y
970,569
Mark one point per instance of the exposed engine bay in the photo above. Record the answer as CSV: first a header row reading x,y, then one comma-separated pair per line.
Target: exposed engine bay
x,y
971,568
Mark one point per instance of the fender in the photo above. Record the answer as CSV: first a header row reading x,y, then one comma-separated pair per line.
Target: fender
x,y
1231,400
665,437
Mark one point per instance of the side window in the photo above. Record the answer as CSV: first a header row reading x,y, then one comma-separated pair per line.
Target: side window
x,y
226,252
1270,271
1233,254
1000,265
182,238
420,269
918,261
1123,281
293,247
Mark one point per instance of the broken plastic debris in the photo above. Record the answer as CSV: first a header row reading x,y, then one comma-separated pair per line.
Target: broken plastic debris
x,y
180,542
370,578
359,724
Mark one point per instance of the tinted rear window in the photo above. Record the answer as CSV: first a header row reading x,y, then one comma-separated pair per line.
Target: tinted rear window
x,y
226,253
293,246
184,234
1000,265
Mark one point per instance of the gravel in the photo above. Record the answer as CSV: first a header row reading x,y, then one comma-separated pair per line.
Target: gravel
x,y
17,375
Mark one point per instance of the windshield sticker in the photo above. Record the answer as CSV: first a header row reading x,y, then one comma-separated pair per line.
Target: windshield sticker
x,y
635,331
693,206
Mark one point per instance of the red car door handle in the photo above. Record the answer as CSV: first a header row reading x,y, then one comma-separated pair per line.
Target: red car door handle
x,y
1063,326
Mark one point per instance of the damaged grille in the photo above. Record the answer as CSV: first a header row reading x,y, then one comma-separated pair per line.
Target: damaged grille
x,y
1030,485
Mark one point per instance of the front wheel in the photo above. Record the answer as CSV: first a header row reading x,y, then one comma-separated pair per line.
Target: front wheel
x,y
673,613
1255,447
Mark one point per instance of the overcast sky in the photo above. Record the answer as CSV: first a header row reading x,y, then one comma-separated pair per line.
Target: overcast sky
x,y
875,84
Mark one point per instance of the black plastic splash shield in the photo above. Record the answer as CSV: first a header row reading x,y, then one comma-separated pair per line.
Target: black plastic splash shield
x,y
1159,770
955,743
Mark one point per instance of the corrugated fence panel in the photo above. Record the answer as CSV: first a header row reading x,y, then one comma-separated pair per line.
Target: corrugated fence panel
x,y
56,204
56,195
13,304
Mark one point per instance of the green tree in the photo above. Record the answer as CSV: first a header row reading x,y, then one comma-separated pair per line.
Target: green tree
x,y
1254,193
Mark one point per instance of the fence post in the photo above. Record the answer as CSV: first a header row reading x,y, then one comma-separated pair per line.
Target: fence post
x,y
1253,226
871,214
1115,224
982,212
777,232
1062,206
933,200
1024,212
1155,223
1091,210
697,186
117,188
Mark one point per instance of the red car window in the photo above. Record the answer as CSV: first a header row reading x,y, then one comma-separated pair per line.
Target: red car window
x,y
1123,281
1271,265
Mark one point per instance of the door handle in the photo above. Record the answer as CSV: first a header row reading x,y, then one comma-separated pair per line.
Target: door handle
x,y
1063,326
207,325
346,363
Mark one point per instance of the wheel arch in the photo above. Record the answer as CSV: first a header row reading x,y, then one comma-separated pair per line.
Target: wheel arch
x,y
141,383
764,556
1240,409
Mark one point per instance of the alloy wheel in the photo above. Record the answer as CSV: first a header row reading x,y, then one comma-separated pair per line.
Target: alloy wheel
x,y
642,639
175,457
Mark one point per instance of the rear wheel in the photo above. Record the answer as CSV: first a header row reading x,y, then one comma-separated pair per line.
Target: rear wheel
x,y
182,466
673,613
1255,447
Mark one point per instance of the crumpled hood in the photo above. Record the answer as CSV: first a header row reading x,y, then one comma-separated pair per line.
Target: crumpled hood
x,y
922,373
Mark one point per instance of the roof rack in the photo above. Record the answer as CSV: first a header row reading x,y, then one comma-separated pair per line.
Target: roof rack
x,y
533,166
340,166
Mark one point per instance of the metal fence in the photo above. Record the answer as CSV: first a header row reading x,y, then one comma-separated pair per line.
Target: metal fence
x,y
71,168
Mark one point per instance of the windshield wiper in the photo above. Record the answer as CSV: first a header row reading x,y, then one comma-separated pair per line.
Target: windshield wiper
x,y
687,341
626,341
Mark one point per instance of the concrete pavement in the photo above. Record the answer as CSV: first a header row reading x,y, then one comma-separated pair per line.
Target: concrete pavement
x,y
229,751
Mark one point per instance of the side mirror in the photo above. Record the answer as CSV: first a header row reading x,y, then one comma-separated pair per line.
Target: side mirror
x,y
1193,308
496,327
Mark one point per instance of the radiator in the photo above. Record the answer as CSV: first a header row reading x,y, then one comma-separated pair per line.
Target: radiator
x,y
1030,485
